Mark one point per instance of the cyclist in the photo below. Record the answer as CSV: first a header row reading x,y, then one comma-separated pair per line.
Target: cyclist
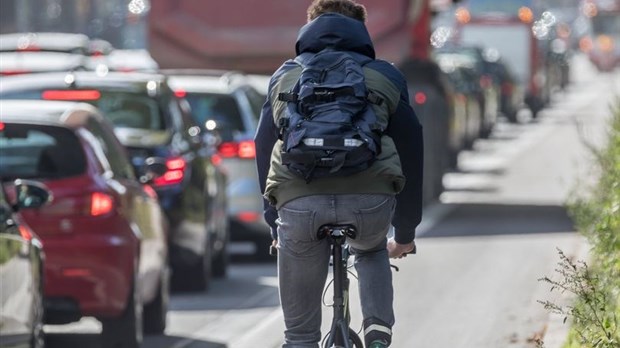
x,y
387,193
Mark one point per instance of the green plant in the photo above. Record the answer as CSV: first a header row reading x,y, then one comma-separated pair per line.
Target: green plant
x,y
595,312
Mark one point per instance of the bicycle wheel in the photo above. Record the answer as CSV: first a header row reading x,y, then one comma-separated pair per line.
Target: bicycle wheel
x,y
355,340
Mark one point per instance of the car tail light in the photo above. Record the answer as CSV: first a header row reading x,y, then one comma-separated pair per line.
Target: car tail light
x,y
243,149
216,159
13,72
2,126
248,216
149,191
25,232
84,94
174,174
420,98
101,204
180,93
29,48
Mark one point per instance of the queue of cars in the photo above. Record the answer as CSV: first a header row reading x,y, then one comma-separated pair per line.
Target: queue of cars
x,y
122,179
103,231
131,191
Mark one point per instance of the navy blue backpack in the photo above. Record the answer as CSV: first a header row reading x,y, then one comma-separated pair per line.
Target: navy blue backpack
x,y
329,127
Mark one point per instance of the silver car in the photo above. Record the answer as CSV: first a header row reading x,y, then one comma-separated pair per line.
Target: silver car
x,y
229,103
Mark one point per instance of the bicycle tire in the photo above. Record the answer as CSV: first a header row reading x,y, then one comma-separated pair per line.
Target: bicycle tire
x,y
355,339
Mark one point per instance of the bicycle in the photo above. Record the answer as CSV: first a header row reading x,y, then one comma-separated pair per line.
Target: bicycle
x,y
340,335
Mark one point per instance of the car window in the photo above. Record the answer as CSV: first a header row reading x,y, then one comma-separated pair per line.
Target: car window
x,y
130,110
221,108
123,109
177,116
37,151
114,152
256,99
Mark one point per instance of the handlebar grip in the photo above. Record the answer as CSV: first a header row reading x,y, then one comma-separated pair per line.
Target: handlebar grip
x,y
273,251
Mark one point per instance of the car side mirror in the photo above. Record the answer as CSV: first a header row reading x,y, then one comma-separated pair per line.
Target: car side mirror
x,y
153,168
31,194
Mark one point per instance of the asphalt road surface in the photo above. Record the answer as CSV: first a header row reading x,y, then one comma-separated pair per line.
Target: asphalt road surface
x,y
481,249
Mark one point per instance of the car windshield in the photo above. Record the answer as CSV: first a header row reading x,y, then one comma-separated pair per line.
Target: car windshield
x,y
124,109
42,152
221,108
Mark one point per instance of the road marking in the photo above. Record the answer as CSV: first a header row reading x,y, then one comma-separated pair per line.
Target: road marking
x,y
255,335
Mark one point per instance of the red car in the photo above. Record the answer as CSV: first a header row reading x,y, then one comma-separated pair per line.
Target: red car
x,y
104,233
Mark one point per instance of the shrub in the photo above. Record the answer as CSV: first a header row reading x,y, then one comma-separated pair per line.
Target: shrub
x,y
595,313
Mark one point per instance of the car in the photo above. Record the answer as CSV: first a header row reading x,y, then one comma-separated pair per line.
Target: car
x,y
104,232
229,102
21,268
124,60
151,121
45,42
429,98
477,59
24,53
17,63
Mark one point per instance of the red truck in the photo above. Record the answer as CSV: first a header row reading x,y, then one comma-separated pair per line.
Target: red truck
x,y
258,36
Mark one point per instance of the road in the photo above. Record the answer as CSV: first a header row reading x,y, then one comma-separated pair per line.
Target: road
x,y
481,249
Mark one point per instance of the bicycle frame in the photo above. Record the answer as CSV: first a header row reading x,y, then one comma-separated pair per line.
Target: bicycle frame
x,y
340,334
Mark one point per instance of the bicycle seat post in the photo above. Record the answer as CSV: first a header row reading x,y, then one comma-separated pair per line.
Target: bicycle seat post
x,y
337,235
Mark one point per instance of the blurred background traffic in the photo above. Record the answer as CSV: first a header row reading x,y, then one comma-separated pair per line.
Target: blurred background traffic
x,y
126,132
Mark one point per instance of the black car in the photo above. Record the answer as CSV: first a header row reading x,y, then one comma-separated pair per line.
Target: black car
x,y
475,59
151,121
21,269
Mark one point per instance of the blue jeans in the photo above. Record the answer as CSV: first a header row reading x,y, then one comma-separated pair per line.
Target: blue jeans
x,y
303,259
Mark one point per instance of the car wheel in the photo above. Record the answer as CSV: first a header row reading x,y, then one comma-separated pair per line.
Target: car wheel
x,y
198,276
221,261
155,312
125,331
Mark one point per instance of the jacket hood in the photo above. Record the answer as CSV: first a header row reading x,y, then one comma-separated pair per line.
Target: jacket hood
x,y
336,31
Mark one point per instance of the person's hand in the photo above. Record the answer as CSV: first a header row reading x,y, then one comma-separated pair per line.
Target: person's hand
x,y
273,248
397,251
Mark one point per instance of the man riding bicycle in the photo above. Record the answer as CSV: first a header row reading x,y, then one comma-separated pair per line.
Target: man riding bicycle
x,y
388,192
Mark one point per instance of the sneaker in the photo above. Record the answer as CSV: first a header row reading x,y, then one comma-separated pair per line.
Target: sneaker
x,y
378,344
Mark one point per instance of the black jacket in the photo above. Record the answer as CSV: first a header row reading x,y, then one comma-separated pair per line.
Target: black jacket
x,y
344,33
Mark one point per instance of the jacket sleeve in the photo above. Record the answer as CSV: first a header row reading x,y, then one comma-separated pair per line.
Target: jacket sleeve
x,y
265,138
406,131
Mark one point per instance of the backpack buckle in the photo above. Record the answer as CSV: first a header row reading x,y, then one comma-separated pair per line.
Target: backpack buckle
x,y
288,97
283,122
374,98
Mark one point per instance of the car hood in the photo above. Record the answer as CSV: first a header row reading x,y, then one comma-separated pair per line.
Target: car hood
x,y
142,137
